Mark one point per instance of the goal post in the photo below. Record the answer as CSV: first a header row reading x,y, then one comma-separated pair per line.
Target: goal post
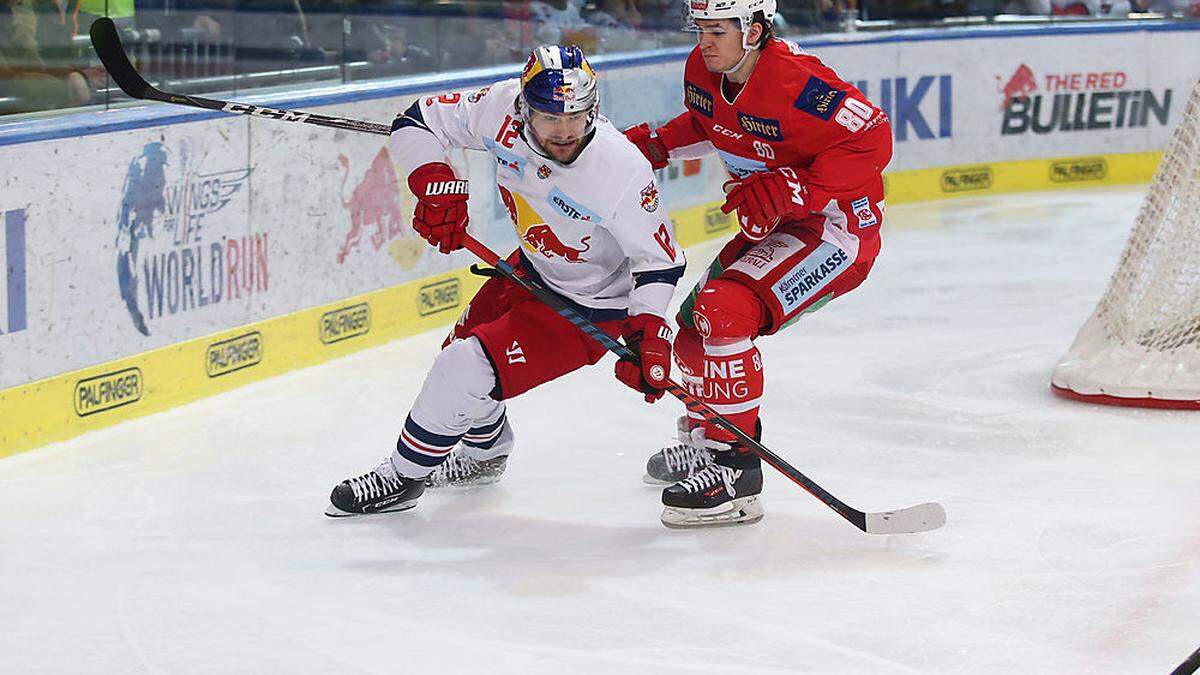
x,y
1141,345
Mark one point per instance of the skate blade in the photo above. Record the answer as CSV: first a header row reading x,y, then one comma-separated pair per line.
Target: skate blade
x,y
744,511
651,480
334,512
463,484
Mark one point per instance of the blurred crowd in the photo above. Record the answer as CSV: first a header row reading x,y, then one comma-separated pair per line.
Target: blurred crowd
x,y
208,45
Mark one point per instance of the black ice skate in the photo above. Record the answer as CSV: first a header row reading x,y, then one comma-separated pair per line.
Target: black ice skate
x,y
379,491
677,462
725,492
462,470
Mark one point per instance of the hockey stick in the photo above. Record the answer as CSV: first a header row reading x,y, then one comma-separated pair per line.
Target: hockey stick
x,y
107,44
1190,665
919,518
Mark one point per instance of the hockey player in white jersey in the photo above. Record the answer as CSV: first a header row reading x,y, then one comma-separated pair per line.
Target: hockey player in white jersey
x,y
586,209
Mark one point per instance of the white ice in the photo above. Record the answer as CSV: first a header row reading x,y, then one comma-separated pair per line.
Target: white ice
x,y
194,542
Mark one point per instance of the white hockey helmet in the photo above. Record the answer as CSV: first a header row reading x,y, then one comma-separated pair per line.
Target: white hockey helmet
x,y
742,10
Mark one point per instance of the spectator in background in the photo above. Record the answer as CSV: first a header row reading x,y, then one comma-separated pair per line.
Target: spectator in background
x,y
1187,8
1108,8
25,75
616,23
562,22
176,19
272,35
379,32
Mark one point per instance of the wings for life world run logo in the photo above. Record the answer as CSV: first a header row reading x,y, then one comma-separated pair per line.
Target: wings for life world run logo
x,y
1077,101
178,250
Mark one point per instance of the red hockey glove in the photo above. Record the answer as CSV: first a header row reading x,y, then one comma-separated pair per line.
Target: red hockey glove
x,y
650,144
650,338
441,215
762,198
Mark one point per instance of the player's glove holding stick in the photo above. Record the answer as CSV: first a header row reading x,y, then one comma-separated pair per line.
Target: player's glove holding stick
x,y
762,199
650,337
441,214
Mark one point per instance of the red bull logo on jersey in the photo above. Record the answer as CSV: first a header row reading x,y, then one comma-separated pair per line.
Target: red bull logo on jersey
x,y
650,197
542,239
1078,101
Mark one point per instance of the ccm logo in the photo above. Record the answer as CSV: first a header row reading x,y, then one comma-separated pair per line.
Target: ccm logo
x,y
272,113
726,132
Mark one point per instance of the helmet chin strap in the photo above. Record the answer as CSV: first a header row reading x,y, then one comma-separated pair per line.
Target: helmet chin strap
x,y
740,63
746,48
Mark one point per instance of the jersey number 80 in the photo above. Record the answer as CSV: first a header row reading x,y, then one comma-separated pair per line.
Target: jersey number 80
x,y
854,114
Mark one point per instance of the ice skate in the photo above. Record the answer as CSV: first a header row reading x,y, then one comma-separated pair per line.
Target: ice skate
x,y
380,490
462,470
677,462
724,492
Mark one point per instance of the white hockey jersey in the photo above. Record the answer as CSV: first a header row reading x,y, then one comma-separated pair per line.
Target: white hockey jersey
x,y
593,230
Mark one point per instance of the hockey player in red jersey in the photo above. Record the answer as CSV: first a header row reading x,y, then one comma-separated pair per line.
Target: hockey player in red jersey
x,y
805,151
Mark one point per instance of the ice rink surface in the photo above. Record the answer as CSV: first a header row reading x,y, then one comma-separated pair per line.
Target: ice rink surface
x,y
194,542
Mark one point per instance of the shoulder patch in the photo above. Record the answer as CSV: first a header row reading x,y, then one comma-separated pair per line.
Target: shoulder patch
x,y
650,197
819,99
479,93
697,99
763,127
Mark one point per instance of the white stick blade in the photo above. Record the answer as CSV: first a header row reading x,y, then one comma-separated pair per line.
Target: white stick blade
x,y
919,518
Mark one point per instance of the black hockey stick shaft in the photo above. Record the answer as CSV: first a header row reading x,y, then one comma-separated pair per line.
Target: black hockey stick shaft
x,y
1190,665
858,518
107,43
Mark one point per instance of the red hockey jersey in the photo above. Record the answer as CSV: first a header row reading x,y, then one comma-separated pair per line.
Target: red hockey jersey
x,y
794,111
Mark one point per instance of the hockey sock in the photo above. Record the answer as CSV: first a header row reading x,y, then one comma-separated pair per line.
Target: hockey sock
x,y
689,356
486,440
733,385
456,392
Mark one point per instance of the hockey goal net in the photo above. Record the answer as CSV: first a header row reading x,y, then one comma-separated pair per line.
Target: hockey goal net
x,y
1141,346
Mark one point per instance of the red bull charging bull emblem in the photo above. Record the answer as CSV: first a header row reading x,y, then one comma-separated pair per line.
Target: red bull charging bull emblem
x,y
1021,85
373,205
543,240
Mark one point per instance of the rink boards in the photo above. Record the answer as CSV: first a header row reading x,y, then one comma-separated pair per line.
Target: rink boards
x,y
155,255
